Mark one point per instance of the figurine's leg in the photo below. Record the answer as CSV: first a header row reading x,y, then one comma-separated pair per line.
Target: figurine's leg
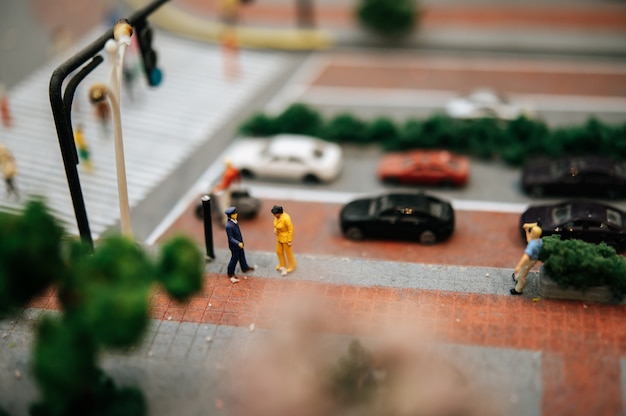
x,y
291,260
281,256
523,274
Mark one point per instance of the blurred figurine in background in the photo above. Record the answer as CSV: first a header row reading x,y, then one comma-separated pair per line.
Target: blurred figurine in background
x,y
529,258
103,114
5,111
228,11
61,40
224,189
83,148
9,170
235,244
283,230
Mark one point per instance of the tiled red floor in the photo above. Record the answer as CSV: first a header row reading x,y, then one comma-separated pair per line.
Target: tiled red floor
x,y
581,343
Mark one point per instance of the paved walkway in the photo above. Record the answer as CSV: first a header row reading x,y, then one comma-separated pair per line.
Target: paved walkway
x,y
525,357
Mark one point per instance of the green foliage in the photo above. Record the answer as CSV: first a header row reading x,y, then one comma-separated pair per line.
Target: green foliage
x,y
64,363
181,268
100,398
109,291
352,379
105,295
259,125
345,128
380,130
481,137
583,265
30,258
390,19
299,119
513,141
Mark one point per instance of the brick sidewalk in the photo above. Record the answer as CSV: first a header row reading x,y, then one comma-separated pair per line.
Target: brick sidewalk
x,y
580,344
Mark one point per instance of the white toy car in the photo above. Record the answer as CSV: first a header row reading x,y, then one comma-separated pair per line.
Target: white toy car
x,y
486,103
287,156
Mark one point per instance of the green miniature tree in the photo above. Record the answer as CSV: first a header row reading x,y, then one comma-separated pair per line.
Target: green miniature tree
x,y
104,295
380,130
299,119
345,128
259,125
390,19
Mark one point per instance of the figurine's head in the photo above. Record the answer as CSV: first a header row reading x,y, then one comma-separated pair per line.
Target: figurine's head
x,y
228,162
277,210
98,93
535,232
123,31
231,212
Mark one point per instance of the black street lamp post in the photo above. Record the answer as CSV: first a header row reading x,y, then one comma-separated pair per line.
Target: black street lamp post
x,y
61,103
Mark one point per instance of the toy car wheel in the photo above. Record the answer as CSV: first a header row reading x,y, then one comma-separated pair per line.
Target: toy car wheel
x,y
311,178
354,233
246,173
391,180
427,238
199,211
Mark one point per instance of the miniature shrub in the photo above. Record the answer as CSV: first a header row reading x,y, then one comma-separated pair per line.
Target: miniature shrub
x,y
345,128
390,19
259,125
182,267
583,265
299,119
481,137
380,130
411,136
30,247
514,141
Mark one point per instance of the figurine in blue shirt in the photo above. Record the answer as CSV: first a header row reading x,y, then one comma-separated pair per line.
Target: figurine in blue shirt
x,y
530,256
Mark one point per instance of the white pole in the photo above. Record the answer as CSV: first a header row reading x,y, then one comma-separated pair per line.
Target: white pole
x,y
116,49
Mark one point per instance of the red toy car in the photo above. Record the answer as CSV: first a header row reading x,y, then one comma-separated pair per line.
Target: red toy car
x,y
424,167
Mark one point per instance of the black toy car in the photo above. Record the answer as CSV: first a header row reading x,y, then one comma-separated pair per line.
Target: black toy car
x,y
398,216
247,205
575,176
584,220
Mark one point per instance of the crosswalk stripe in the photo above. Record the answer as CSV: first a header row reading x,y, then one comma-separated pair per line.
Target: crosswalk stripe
x,y
162,126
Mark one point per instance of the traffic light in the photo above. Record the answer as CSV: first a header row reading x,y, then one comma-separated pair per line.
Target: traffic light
x,y
144,34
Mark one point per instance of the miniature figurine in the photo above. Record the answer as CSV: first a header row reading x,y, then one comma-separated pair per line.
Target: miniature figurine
x,y
83,148
9,170
283,230
103,114
224,189
235,244
530,256
229,41
5,111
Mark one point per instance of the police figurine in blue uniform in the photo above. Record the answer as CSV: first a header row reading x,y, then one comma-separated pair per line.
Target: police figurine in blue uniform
x,y
235,244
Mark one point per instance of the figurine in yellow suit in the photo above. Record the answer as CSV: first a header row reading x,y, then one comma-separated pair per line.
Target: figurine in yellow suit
x,y
283,230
